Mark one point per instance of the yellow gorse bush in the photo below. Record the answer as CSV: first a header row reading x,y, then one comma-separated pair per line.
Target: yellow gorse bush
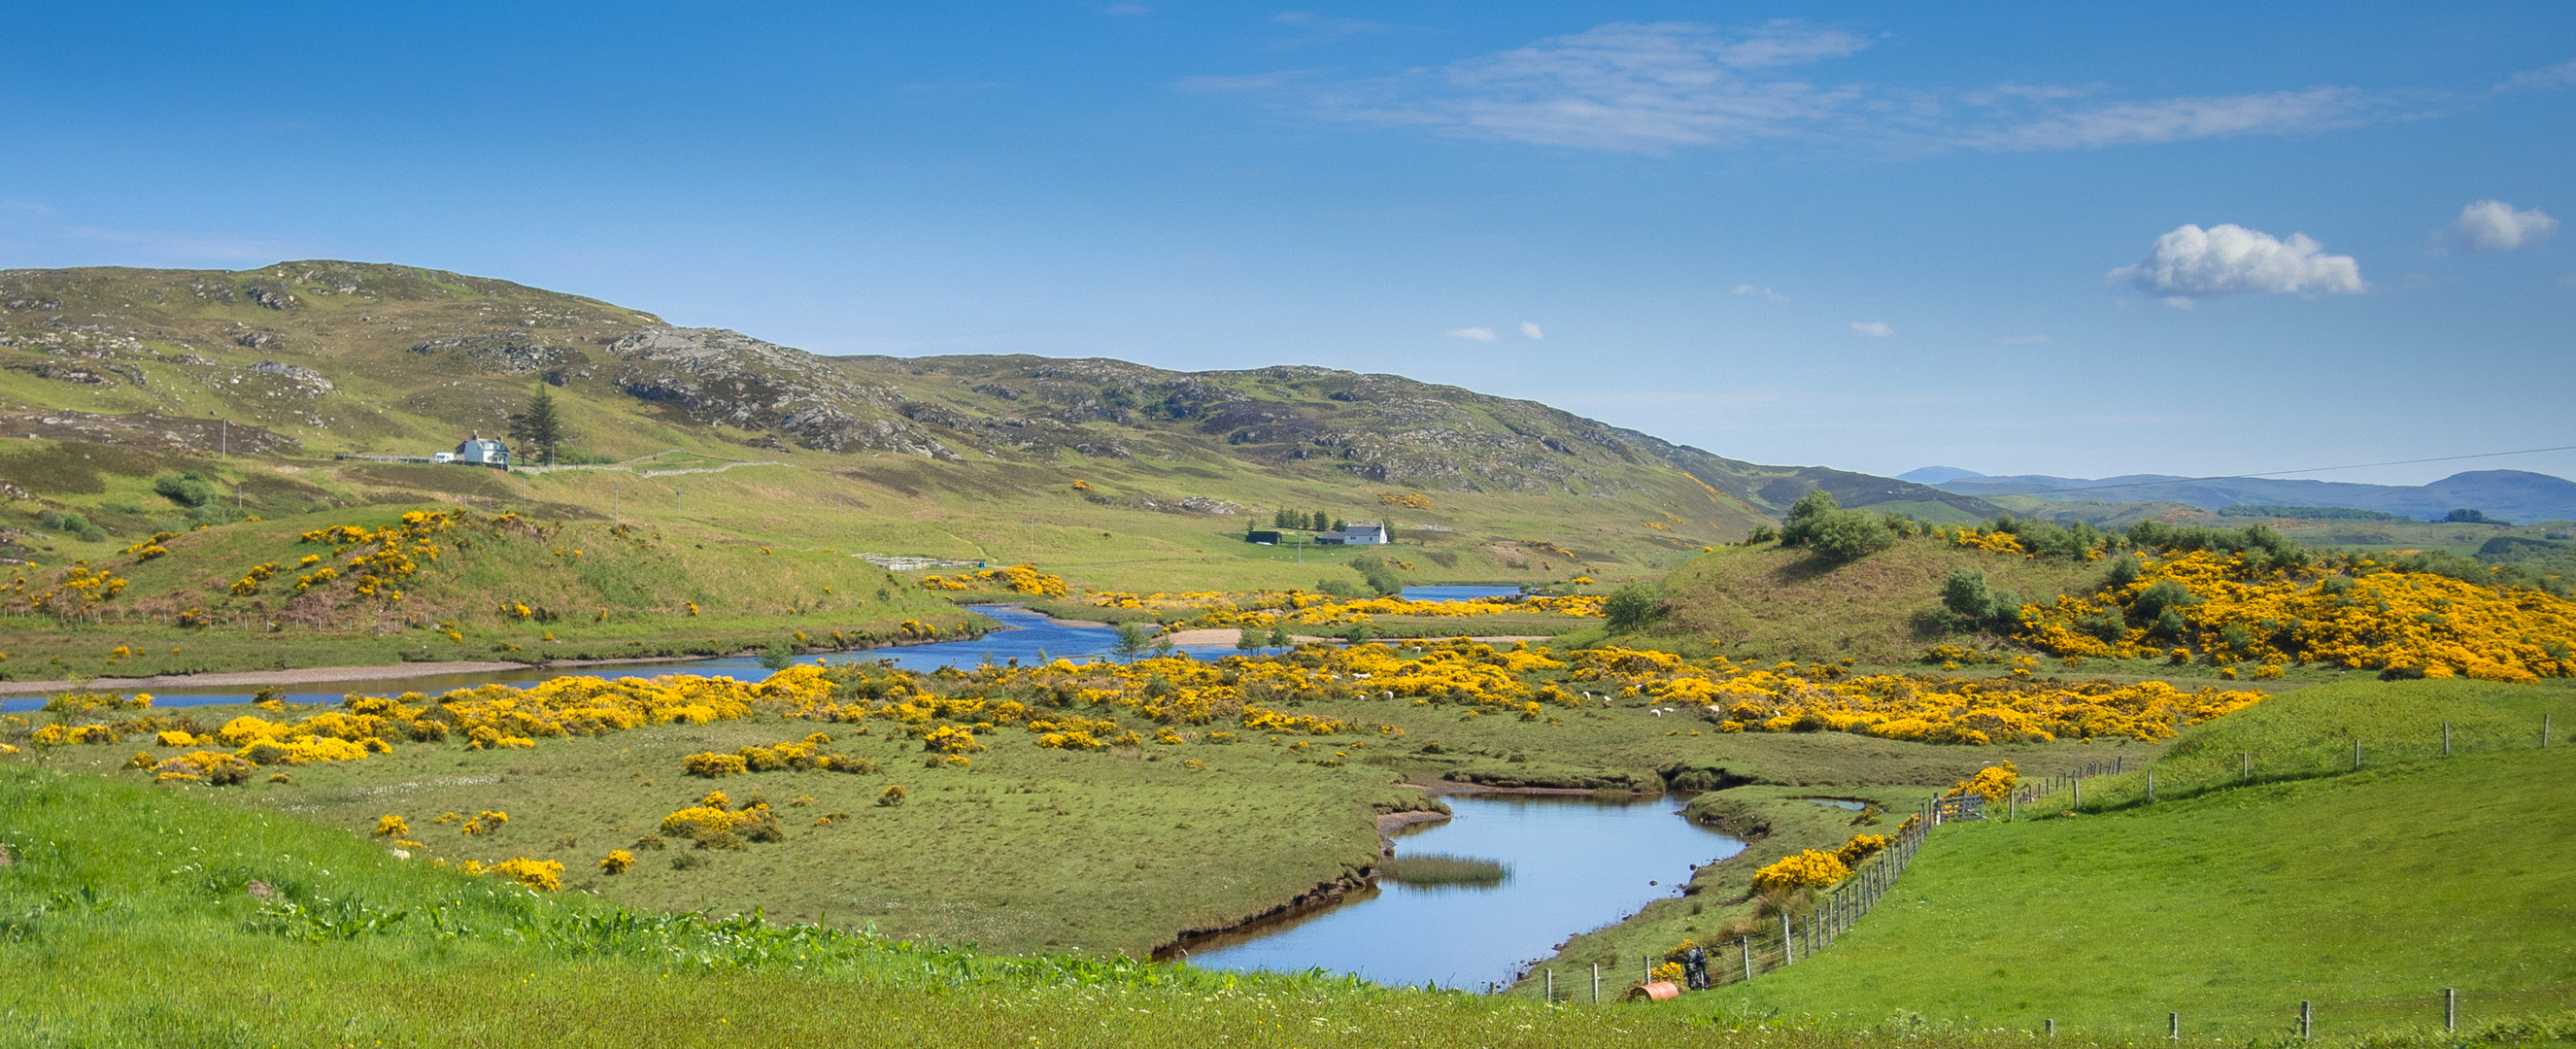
x,y
1992,783
2350,614
1808,869
542,875
1018,579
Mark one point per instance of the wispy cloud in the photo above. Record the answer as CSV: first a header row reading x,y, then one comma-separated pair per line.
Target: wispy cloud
x,y
1326,24
2193,263
1747,291
1477,334
1530,331
1662,86
2493,225
2055,126
1873,329
27,206
2560,75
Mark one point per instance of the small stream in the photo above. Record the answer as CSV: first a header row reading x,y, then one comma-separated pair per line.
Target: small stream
x,y
1575,864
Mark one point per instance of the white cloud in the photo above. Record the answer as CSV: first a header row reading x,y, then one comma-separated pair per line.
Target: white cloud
x,y
1873,329
1749,291
2020,340
1655,87
1478,334
2226,259
2176,119
2493,225
1530,331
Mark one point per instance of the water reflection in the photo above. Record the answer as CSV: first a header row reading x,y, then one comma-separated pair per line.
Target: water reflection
x,y
1577,863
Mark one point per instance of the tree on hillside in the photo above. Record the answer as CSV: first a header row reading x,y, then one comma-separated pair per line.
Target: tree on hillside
x,y
1631,606
1837,535
540,428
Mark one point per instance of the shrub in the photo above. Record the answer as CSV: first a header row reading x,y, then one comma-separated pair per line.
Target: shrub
x,y
1845,536
1632,605
616,862
713,765
893,796
1808,869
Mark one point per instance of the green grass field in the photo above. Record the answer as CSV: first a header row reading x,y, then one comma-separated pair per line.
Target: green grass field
x,y
1030,849
2366,893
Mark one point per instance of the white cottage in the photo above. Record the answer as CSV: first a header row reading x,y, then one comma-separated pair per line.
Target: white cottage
x,y
478,450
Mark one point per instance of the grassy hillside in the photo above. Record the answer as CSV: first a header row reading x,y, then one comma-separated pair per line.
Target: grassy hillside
x,y
1773,602
305,359
2366,892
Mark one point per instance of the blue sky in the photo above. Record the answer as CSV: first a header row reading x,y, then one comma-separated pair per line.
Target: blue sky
x,y
2072,239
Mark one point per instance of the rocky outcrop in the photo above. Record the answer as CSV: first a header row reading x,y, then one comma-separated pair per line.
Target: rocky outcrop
x,y
714,375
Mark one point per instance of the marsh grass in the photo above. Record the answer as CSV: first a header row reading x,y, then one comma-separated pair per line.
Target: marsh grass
x,y
1430,870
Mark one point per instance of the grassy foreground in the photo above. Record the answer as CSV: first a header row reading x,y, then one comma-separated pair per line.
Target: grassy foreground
x,y
130,916
2366,893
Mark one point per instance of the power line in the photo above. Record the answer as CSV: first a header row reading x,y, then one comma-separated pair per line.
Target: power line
x,y
2310,470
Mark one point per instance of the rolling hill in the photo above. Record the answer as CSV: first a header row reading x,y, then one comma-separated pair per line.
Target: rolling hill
x,y
293,364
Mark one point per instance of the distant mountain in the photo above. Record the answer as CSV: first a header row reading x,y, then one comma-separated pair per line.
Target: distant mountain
x,y
2515,495
1937,474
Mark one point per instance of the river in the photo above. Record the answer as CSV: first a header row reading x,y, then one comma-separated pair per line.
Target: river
x,y
1026,636
1574,864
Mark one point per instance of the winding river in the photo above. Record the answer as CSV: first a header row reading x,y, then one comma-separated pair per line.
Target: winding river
x,y
1575,863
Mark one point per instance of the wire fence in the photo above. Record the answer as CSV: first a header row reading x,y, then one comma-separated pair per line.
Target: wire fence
x,y
1794,937
2107,786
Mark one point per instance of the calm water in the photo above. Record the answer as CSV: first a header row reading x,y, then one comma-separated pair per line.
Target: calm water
x,y
1457,593
1030,638
1576,865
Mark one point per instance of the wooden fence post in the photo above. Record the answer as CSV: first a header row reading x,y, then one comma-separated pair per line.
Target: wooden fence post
x,y
2173,1027
2446,739
1788,942
2356,755
2307,1019
2450,1008
1746,944
2151,786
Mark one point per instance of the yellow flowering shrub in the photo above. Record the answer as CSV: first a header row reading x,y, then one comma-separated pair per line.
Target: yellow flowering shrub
x,y
1018,579
2351,614
541,875
1861,847
204,766
713,765
392,827
1991,783
1808,869
616,861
